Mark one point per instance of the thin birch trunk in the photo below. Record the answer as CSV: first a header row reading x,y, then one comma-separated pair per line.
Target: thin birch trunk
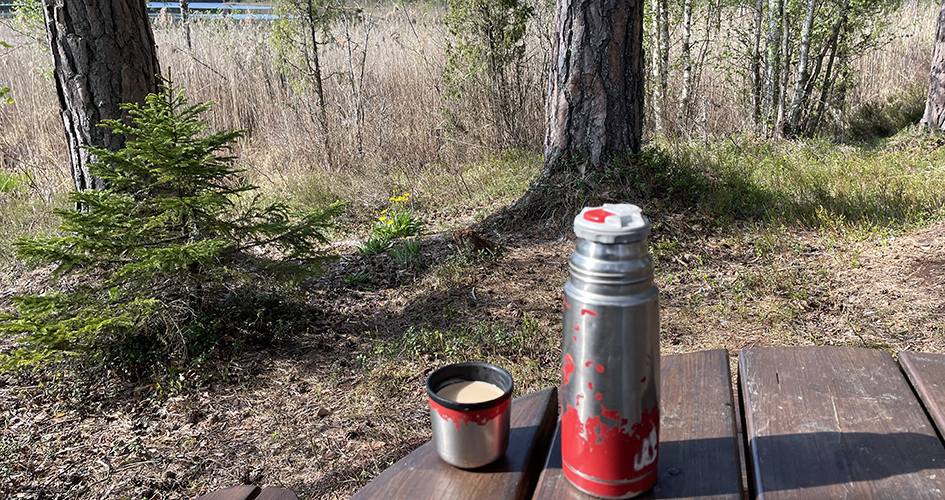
x,y
686,91
756,78
664,44
660,60
800,85
785,70
315,70
772,63
356,73
185,18
833,45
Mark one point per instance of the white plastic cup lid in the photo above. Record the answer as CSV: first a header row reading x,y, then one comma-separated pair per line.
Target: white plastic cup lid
x,y
612,222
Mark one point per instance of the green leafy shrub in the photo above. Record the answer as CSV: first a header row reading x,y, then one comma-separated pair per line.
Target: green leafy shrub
x,y
154,265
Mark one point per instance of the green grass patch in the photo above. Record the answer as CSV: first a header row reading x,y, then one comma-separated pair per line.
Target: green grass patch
x,y
526,350
496,179
25,215
854,192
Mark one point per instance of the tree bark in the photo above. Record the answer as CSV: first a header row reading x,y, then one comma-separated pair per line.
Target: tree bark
x,y
834,46
785,71
686,55
185,18
315,72
800,85
934,117
594,111
772,64
103,55
757,83
657,66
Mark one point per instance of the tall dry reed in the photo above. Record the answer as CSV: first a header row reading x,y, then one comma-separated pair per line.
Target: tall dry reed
x,y
404,136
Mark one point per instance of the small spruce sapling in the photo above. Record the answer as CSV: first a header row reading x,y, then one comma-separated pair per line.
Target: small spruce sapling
x,y
176,229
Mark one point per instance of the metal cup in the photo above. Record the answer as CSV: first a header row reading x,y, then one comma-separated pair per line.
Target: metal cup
x,y
470,435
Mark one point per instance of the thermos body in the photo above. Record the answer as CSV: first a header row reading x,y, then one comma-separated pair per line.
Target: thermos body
x,y
610,357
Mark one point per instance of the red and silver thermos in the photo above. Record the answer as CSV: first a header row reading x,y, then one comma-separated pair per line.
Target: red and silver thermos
x,y
610,408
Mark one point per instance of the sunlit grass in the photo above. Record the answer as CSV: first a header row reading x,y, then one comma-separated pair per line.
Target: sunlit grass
x,y
813,184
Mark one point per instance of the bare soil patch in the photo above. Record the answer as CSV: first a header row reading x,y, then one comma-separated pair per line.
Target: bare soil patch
x,y
327,410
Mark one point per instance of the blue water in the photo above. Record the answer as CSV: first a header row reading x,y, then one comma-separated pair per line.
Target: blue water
x,y
210,6
197,9
215,9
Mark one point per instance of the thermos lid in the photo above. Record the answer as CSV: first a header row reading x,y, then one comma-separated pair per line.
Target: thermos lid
x,y
612,223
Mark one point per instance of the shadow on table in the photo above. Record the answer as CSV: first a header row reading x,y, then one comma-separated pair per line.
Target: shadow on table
x,y
705,468
422,474
516,456
795,461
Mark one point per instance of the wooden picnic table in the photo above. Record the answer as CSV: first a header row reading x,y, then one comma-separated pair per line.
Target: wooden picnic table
x,y
809,423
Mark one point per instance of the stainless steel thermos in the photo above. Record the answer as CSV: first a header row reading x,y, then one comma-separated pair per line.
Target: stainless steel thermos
x,y
610,356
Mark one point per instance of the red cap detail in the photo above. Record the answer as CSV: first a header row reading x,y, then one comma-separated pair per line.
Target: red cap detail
x,y
597,215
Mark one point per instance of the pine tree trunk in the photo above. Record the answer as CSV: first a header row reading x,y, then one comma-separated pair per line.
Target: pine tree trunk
x,y
934,117
594,111
103,55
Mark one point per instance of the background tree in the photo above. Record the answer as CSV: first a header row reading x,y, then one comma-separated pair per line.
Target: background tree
x,y
934,116
659,59
185,19
803,73
103,55
594,111
299,31
801,59
485,60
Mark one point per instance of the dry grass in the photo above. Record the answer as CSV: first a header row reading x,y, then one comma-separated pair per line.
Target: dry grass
x,y
406,134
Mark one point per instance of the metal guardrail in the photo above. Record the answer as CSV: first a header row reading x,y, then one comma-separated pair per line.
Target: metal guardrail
x,y
202,9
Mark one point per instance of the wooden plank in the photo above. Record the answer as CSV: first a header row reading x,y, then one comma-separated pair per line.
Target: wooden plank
x,y
276,494
244,492
698,450
421,474
836,422
926,372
